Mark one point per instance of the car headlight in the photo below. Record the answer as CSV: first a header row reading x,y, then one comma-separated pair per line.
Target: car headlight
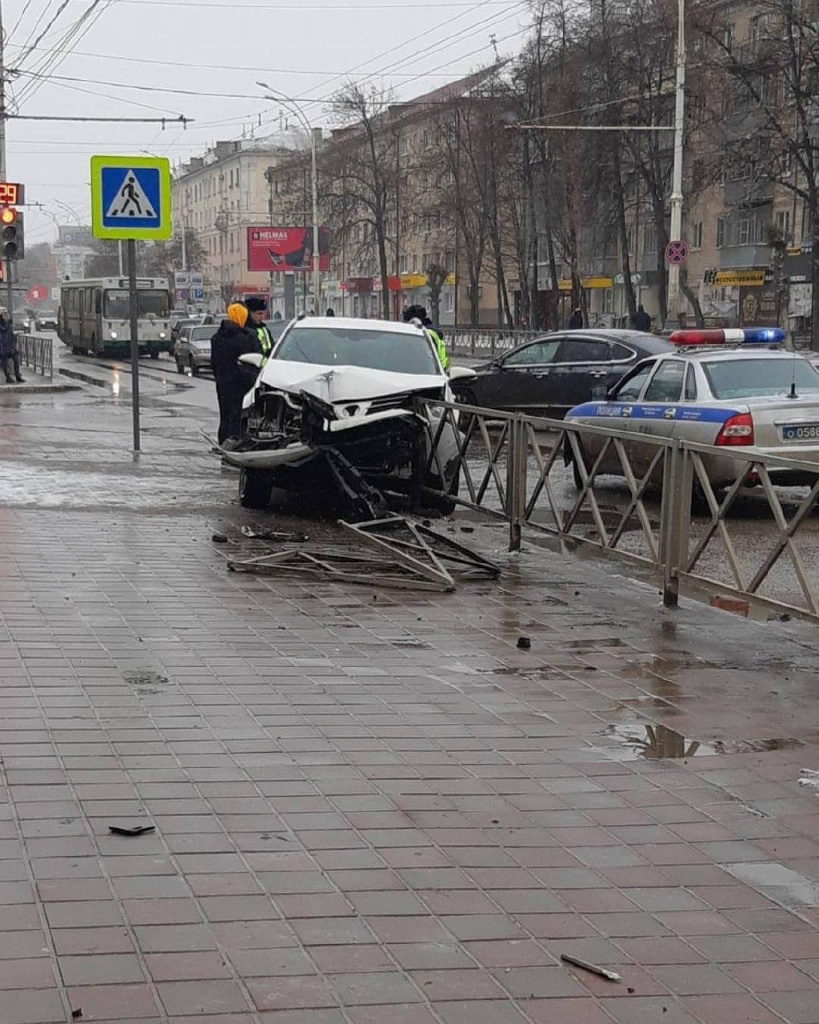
x,y
162,335
114,335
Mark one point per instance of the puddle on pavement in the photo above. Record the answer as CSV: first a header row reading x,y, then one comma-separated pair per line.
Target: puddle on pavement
x,y
653,742
145,682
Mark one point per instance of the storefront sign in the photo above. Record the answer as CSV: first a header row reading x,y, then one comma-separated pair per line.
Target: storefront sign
x,y
740,278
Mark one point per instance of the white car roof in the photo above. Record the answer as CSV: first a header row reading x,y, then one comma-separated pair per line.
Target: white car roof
x,y
727,354
355,323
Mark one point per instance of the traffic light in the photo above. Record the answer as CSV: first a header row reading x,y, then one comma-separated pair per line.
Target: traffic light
x,y
11,224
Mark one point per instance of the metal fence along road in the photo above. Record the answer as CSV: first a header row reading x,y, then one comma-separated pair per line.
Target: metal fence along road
x,y
480,341
512,467
37,353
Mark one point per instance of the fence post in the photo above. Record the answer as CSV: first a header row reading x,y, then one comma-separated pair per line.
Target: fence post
x,y
516,481
678,492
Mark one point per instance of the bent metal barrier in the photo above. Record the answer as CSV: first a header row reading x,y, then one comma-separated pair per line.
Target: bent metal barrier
x,y
37,353
513,468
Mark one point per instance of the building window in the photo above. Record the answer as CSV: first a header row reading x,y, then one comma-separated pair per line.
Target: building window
x,y
696,235
449,302
743,231
720,232
649,238
783,224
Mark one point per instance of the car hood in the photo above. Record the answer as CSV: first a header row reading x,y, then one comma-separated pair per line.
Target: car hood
x,y
334,384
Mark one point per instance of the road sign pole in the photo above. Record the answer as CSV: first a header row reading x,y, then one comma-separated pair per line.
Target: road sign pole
x,y
133,297
9,290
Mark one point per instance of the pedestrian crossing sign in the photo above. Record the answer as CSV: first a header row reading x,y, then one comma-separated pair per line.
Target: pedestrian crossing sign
x,y
131,197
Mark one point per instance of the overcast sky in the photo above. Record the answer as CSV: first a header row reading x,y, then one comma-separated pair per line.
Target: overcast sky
x,y
211,48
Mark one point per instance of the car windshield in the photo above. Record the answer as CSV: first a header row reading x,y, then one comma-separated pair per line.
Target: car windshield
x,y
347,346
202,333
753,378
151,303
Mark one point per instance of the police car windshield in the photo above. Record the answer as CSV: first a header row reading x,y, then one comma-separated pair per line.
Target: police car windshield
x,y
756,378
376,350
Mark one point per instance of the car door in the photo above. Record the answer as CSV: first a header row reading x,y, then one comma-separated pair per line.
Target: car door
x,y
617,413
656,414
521,379
582,364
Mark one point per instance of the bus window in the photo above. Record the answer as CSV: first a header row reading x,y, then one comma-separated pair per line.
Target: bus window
x,y
151,303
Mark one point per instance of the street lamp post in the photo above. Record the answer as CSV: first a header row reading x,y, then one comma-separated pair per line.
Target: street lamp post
x,y
673,318
299,113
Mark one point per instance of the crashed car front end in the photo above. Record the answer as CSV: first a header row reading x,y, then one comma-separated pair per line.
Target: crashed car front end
x,y
360,423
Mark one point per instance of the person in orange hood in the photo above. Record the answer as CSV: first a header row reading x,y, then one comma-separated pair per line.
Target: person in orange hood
x,y
233,379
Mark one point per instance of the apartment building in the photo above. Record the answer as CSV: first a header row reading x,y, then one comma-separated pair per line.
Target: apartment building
x,y
219,195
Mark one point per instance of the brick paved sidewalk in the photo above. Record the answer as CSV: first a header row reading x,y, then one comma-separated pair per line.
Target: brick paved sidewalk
x,y
374,809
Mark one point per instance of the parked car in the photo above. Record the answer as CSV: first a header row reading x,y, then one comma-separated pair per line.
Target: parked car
x,y
334,406
746,401
192,348
552,374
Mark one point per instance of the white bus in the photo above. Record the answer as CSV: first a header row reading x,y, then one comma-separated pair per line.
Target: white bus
x,y
94,316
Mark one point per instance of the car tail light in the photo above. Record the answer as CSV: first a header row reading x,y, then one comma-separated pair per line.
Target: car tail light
x,y
738,431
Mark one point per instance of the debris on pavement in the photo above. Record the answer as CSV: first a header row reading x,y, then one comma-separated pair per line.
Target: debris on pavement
x,y
405,555
251,534
76,1014
809,777
219,538
136,830
524,643
584,965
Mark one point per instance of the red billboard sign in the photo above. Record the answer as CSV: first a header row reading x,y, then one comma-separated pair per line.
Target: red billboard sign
x,y
273,250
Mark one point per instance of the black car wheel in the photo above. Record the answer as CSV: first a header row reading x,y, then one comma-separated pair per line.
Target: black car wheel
x,y
255,488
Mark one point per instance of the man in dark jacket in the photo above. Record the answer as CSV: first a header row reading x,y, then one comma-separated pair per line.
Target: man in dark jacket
x,y
9,356
576,319
233,379
641,320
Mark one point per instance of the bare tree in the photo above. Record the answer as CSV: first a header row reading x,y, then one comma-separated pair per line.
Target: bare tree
x,y
436,279
362,170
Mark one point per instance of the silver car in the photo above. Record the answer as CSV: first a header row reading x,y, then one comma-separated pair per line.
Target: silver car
x,y
736,399
192,349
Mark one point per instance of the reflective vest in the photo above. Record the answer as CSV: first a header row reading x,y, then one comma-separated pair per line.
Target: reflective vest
x,y
265,341
440,346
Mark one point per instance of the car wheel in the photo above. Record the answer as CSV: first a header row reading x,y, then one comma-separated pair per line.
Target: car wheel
x,y
193,367
255,488
442,502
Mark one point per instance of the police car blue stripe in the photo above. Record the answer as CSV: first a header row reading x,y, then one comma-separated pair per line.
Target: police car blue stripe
x,y
627,411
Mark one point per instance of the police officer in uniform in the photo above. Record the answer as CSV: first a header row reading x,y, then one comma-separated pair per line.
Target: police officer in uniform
x,y
418,312
257,310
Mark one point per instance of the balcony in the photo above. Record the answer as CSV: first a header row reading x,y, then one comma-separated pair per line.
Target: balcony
x,y
748,192
744,256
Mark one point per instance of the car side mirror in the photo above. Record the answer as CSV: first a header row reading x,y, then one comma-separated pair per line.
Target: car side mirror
x,y
461,373
599,393
252,359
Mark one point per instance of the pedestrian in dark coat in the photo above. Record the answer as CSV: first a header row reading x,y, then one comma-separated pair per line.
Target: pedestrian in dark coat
x,y
9,356
641,320
576,319
233,379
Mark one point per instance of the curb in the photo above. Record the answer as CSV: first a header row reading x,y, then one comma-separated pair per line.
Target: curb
x,y
36,389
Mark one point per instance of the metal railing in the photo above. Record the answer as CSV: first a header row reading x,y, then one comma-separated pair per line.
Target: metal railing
x,y
480,341
671,520
37,353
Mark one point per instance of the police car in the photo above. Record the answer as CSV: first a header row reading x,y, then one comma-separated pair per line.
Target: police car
x,y
754,396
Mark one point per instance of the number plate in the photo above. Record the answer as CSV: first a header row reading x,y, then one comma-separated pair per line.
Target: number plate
x,y
801,432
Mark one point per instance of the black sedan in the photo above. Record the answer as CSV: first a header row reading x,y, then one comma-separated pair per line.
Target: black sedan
x,y
552,374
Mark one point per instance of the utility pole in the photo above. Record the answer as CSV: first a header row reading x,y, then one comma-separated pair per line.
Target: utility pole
x,y
3,159
673,319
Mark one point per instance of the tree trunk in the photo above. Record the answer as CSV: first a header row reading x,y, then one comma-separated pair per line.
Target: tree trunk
x,y
694,299
814,319
631,298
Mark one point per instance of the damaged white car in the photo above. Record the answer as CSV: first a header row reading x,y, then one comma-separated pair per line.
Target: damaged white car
x,y
334,407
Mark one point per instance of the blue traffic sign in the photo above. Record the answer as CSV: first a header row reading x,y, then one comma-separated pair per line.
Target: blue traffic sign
x,y
131,197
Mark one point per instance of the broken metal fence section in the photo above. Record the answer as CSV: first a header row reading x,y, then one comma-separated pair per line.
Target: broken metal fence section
x,y
37,354
513,468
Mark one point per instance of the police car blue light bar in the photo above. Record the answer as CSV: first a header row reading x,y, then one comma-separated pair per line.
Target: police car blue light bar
x,y
719,336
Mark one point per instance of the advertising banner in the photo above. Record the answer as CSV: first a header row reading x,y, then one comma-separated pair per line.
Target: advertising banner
x,y
275,250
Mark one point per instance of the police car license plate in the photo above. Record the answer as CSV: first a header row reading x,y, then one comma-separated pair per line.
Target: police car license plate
x,y
797,432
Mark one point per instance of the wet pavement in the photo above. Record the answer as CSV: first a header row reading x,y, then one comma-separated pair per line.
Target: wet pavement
x,y
371,807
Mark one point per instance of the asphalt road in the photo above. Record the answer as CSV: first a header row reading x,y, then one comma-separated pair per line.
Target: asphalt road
x,y
179,410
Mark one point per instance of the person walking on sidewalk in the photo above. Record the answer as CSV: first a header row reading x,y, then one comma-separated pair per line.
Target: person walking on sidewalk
x,y
233,379
9,356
